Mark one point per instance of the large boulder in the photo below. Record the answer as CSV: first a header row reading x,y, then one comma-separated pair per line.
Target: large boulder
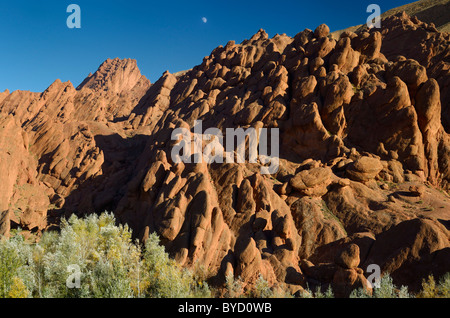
x,y
364,169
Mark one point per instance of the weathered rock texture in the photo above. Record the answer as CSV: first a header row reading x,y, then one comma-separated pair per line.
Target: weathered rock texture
x,y
364,156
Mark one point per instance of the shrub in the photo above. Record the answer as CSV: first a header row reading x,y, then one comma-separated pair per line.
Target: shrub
x,y
387,289
108,263
234,287
13,255
18,289
100,256
327,294
432,290
261,289
166,278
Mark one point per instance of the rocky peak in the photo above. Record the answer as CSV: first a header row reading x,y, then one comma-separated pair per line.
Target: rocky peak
x,y
260,35
4,94
115,76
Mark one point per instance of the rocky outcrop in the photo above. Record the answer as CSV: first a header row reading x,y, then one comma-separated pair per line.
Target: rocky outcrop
x,y
24,200
364,155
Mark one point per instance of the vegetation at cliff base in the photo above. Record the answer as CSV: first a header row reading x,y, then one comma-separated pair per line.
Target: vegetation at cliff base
x,y
92,257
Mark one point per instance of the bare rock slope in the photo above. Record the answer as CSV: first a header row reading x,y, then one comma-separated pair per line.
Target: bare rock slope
x,y
435,12
364,156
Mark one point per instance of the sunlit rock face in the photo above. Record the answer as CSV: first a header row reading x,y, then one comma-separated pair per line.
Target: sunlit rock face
x,y
364,156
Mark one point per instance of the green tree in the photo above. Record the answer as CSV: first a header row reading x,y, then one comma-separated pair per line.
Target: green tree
x,y
11,260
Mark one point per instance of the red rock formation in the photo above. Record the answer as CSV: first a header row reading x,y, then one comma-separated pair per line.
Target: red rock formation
x,y
359,128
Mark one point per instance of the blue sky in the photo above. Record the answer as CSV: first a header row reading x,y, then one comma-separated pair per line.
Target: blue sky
x,y
38,47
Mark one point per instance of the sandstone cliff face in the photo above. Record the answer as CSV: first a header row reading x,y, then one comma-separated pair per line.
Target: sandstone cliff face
x,y
364,156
